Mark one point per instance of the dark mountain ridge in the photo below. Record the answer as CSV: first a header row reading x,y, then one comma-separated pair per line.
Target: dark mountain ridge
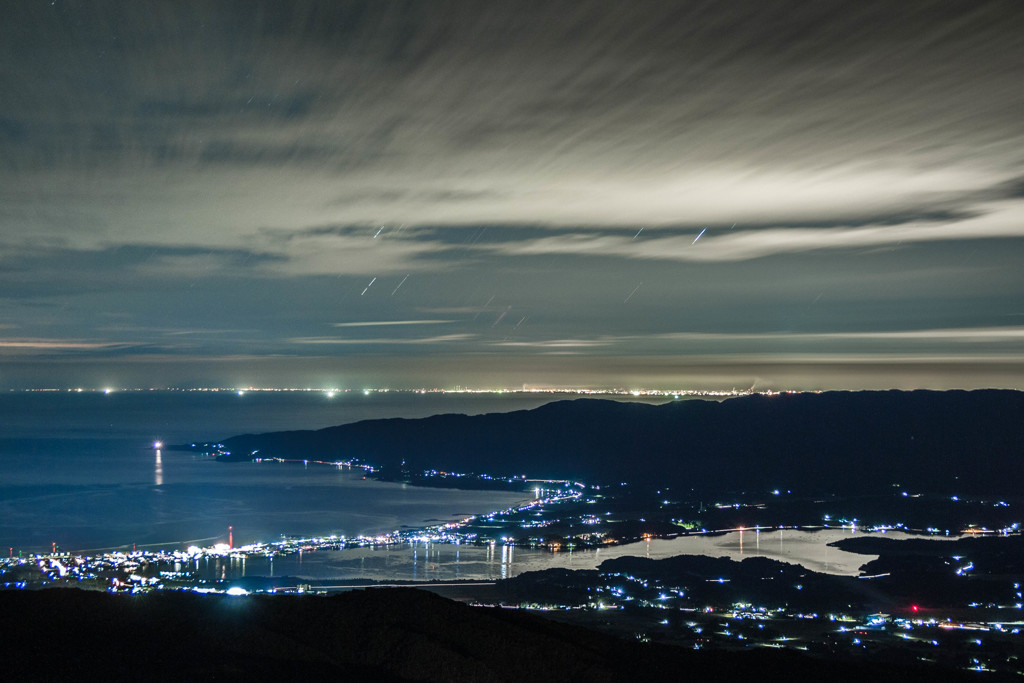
x,y
843,442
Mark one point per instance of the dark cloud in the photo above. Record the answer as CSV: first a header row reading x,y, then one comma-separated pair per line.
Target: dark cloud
x,y
258,106
762,84
1013,189
31,255
226,152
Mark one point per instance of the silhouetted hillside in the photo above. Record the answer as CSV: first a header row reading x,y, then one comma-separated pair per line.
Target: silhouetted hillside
x,y
375,635
843,442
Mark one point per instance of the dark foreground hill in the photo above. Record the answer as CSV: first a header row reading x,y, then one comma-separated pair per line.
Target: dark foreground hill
x,y
375,635
837,442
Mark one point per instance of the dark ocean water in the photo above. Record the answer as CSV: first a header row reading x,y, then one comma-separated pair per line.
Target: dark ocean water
x,y
78,469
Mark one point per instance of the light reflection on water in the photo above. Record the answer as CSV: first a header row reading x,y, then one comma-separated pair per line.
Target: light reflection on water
x,y
158,474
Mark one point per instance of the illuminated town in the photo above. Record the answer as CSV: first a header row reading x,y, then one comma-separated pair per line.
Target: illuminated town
x,y
973,621
458,389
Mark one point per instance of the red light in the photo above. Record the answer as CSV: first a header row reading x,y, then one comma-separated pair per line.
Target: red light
x,y
913,608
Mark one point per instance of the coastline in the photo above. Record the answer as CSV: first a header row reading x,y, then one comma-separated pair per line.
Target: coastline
x,y
221,568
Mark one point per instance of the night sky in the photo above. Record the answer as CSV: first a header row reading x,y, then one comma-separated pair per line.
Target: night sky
x,y
786,195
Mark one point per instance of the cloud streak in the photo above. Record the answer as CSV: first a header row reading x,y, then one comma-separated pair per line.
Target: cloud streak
x,y
1004,222
972,334
440,339
389,323
61,345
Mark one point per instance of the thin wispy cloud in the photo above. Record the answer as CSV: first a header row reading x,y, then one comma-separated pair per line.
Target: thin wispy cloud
x,y
389,323
973,334
557,343
61,345
440,339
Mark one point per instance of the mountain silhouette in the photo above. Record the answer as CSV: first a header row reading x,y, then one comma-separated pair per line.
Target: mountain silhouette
x,y
964,442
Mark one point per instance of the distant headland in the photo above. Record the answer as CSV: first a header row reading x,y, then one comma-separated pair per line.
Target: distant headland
x,y
832,442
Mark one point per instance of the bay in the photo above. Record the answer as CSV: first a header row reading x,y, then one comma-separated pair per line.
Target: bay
x,y
77,468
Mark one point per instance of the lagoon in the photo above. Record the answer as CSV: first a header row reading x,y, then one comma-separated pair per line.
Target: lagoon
x,y
422,561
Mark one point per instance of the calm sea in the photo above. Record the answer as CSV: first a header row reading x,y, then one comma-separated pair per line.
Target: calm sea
x,y
78,470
